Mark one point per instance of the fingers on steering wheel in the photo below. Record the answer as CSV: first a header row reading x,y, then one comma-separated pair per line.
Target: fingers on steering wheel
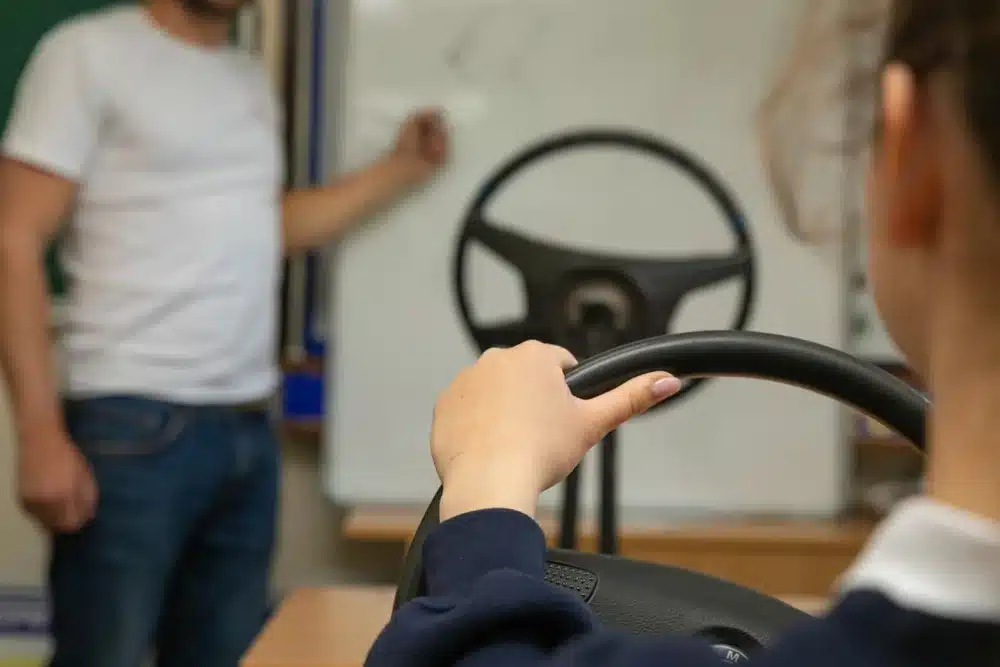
x,y
563,357
559,355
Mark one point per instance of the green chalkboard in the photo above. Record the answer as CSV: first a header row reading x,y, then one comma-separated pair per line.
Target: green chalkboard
x,y
22,24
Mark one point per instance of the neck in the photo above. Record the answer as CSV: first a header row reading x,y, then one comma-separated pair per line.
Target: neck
x,y
964,429
174,19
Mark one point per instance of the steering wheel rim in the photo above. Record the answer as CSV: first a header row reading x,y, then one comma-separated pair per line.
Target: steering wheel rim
x,y
723,199
811,366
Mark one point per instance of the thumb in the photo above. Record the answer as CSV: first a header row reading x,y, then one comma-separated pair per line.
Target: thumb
x,y
613,408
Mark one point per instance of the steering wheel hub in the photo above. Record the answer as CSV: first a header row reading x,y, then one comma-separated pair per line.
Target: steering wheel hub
x,y
599,313
731,654
600,304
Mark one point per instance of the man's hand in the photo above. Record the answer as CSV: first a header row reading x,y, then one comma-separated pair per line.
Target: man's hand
x,y
56,484
314,216
422,145
508,428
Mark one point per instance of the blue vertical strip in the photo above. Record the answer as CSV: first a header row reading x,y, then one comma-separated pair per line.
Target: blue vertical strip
x,y
314,344
303,391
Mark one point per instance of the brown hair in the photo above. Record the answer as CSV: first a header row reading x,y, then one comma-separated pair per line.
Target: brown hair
x,y
854,39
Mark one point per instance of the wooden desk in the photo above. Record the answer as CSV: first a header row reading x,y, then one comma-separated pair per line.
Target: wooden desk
x,y
323,627
777,557
335,627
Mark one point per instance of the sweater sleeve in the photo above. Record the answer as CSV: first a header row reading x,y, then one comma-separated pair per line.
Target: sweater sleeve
x,y
489,606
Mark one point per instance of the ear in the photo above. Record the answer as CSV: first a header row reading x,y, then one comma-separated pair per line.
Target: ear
x,y
909,170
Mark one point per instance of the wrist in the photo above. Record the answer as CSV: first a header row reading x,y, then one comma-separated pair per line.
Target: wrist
x,y
399,170
470,489
35,431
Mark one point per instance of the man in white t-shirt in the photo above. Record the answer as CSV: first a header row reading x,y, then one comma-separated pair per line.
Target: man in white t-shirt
x,y
155,465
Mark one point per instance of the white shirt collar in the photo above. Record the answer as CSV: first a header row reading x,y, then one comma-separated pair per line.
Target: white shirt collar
x,y
933,558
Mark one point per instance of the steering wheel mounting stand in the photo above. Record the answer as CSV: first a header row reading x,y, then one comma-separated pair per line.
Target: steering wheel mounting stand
x,y
651,599
590,302
601,311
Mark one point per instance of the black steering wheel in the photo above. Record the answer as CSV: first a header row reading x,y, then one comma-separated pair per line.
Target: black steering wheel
x,y
587,302
645,598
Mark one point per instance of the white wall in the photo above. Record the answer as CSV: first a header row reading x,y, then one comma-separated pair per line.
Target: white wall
x,y
509,72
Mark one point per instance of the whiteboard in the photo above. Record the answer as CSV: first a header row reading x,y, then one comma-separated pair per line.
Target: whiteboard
x,y
511,72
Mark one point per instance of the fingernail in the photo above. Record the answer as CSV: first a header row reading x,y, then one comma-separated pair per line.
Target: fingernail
x,y
666,387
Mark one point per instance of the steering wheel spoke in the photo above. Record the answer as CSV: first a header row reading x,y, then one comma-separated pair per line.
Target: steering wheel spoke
x,y
672,279
534,259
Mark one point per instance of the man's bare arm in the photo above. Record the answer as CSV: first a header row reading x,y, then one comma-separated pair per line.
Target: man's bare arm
x,y
32,204
314,216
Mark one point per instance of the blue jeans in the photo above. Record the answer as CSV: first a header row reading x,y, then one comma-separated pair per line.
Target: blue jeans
x,y
179,553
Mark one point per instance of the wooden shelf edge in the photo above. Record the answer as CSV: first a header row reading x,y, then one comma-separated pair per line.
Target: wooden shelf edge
x,y
310,364
303,429
398,524
889,443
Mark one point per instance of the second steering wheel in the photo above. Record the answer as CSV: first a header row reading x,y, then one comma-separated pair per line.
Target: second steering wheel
x,y
589,302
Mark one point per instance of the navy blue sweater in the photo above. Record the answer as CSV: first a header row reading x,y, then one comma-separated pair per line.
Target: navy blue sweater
x,y
925,594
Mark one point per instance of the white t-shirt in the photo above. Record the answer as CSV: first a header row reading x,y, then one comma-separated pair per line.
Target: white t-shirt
x,y
173,250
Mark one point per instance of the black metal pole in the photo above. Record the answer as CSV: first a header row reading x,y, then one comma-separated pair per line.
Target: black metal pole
x,y
608,535
290,64
596,340
570,510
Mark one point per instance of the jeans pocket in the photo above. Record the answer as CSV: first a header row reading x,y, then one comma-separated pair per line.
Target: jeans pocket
x,y
123,426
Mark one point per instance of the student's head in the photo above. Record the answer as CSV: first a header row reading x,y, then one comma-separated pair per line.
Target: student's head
x,y
933,187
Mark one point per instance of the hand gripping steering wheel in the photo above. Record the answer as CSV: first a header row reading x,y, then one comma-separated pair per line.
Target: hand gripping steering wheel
x,y
587,302
644,598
